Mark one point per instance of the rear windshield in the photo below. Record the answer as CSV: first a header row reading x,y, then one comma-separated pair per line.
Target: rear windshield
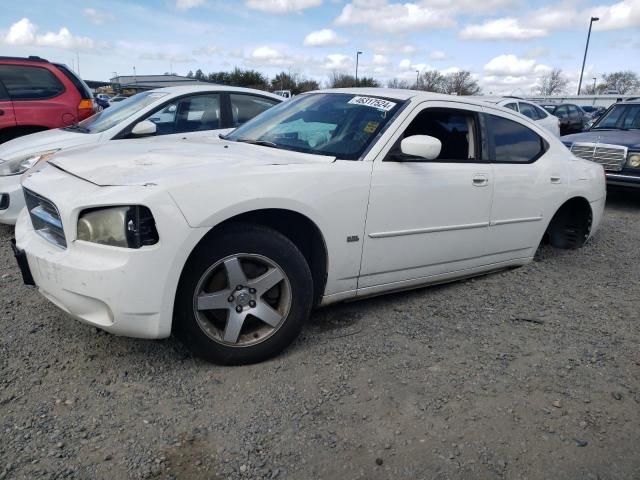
x,y
82,87
118,112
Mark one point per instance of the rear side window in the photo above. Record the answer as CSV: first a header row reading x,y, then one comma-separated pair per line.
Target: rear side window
x,y
542,113
512,142
3,92
512,106
245,107
82,87
30,83
529,111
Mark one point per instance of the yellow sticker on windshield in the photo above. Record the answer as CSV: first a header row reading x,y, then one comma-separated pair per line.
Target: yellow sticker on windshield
x,y
371,127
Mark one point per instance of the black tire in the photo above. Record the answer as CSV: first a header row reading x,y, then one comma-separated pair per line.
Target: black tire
x,y
243,239
569,230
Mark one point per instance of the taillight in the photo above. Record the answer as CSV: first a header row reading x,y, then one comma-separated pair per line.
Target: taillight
x,y
86,108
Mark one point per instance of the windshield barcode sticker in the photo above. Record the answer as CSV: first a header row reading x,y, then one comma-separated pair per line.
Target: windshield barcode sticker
x,y
378,103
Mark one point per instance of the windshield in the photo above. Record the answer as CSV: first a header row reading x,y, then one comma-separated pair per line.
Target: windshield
x,y
118,112
620,117
337,124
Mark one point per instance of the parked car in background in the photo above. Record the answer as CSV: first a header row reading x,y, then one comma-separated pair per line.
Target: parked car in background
x,y
36,95
185,111
593,111
102,103
614,142
528,109
103,96
321,199
572,118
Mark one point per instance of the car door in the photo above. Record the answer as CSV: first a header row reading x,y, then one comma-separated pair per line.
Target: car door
x,y
575,118
7,114
528,183
427,218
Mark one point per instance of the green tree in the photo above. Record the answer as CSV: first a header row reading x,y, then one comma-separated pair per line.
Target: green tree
x,y
199,75
190,74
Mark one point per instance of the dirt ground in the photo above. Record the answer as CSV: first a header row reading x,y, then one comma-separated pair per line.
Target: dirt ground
x,y
530,373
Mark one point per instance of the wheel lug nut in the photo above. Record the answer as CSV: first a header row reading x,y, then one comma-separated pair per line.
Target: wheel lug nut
x,y
230,299
252,304
238,309
239,287
252,290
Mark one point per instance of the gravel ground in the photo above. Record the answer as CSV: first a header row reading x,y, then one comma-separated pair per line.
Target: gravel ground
x,y
529,373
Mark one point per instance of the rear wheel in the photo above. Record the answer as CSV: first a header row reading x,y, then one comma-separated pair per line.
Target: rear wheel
x,y
243,296
570,227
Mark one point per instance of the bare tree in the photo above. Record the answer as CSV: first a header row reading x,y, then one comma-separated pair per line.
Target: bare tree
x,y
461,83
396,83
431,81
623,82
554,83
342,80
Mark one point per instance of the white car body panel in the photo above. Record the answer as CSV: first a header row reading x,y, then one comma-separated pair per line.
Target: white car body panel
x,y
64,139
416,223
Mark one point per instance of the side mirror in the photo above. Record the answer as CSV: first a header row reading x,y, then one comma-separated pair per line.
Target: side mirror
x,y
144,128
422,146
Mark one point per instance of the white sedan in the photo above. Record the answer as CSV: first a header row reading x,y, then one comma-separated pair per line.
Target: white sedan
x,y
528,109
185,111
330,196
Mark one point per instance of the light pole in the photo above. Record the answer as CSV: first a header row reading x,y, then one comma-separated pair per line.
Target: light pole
x,y
593,19
594,85
358,53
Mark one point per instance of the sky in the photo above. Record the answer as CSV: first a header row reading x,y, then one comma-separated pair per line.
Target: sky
x,y
508,45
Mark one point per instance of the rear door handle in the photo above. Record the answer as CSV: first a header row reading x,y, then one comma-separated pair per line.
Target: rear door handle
x,y
480,180
555,179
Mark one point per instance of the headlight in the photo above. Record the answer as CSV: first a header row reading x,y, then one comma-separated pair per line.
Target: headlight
x,y
19,165
633,160
126,226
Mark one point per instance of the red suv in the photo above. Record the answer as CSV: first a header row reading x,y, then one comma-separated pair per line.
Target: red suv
x,y
36,94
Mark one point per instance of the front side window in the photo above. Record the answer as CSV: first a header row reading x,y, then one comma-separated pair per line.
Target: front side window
x,y
512,142
30,83
632,118
619,116
561,111
529,111
456,130
118,112
340,125
245,107
190,114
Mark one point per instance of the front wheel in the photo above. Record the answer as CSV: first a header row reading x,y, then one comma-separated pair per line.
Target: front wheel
x,y
244,295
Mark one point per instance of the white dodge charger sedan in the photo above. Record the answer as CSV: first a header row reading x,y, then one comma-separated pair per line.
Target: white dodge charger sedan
x,y
169,112
330,196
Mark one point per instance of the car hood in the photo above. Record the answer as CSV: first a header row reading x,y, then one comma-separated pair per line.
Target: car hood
x,y
626,138
168,162
42,141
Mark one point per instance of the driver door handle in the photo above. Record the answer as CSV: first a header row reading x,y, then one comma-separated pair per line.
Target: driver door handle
x,y
480,180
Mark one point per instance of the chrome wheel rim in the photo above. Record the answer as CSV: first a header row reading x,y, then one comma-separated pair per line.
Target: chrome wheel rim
x,y
242,300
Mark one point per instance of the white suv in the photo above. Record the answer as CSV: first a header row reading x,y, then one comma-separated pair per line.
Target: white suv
x,y
329,196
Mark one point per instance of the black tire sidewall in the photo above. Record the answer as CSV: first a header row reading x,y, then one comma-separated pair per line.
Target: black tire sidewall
x,y
231,240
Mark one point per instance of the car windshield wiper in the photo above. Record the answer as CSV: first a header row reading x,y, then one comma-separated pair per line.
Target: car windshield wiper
x,y
263,143
78,128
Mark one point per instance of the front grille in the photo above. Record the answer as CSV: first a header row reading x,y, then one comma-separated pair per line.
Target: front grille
x,y
45,218
4,201
611,157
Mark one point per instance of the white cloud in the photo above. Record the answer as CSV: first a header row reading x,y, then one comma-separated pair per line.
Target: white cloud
x,y
167,57
505,65
268,56
187,4
380,60
437,55
96,17
383,16
625,14
337,61
323,38
25,33
501,29
282,6
470,6
208,51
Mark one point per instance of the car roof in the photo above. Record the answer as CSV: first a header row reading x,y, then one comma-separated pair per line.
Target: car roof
x,y
213,88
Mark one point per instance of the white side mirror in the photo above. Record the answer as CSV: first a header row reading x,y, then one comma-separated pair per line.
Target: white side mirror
x,y
422,146
144,129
